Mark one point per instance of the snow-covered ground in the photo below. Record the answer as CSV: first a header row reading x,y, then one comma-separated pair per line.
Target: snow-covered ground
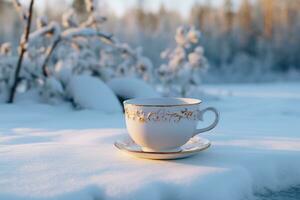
x,y
49,152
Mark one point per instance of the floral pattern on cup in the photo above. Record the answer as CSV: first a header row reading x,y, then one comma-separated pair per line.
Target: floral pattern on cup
x,y
162,115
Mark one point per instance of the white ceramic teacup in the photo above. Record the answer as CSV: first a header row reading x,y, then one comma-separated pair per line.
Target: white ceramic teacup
x,y
165,124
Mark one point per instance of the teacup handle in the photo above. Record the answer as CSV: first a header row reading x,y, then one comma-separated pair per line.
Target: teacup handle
x,y
213,125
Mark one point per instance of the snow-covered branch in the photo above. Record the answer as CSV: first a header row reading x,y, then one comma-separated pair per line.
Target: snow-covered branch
x,y
85,32
69,34
53,28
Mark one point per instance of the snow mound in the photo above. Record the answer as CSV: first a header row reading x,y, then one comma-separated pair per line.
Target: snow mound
x,y
51,153
132,88
91,93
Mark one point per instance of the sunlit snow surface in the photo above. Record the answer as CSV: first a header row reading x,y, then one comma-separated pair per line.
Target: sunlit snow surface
x,y
49,152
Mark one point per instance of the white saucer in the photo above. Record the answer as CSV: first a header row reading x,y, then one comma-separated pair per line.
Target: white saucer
x,y
192,147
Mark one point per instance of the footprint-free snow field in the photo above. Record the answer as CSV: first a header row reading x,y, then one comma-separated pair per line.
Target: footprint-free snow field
x,y
55,152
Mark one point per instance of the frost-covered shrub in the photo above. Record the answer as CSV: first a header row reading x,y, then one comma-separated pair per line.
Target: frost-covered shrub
x,y
55,52
84,50
185,63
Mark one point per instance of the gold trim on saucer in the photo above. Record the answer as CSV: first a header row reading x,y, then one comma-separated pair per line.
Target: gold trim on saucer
x,y
193,146
122,148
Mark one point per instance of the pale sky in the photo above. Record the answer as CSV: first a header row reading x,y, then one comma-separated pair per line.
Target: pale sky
x,y
120,6
183,6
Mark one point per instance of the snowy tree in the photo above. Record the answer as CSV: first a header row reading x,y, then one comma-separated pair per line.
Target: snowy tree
x,y
54,52
186,63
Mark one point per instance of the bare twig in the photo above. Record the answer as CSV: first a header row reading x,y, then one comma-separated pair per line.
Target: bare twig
x,y
23,49
48,56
